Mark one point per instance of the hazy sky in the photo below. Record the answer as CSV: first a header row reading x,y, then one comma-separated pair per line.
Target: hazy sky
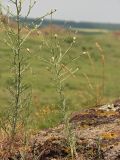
x,y
79,10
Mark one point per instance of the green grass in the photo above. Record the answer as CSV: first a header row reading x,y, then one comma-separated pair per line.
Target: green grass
x,y
76,89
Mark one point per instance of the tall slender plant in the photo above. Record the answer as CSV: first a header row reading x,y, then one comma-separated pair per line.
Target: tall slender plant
x,y
20,96
19,90
61,70
17,112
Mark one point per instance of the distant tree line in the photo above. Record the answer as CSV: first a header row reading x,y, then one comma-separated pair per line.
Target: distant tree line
x,y
73,24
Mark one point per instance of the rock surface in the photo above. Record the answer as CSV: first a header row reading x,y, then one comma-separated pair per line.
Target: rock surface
x,y
94,134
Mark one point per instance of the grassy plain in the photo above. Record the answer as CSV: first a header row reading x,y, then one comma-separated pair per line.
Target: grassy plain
x,y
78,93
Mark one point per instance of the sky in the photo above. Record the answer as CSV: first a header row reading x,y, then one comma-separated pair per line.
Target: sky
x,y
78,10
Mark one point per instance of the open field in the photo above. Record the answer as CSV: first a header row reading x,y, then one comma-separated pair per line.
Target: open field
x,y
91,31
77,90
